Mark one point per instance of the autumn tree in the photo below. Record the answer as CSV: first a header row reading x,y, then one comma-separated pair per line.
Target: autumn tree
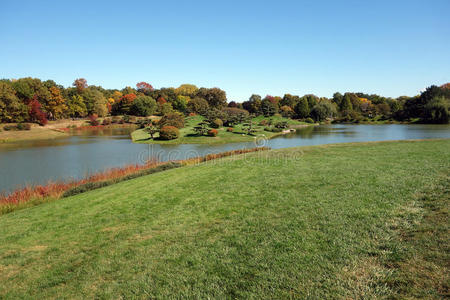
x,y
123,105
35,112
80,84
186,90
144,87
56,104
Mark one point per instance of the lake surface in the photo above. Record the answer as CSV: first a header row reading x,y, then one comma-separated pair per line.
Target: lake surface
x,y
77,156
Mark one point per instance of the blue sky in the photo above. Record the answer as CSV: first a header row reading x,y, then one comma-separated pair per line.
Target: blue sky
x,y
390,48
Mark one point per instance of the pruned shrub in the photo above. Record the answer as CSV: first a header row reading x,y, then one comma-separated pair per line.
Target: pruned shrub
x,y
273,129
23,126
230,129
217,123
309,120
169,133
126,118
9,127
282,125
213,132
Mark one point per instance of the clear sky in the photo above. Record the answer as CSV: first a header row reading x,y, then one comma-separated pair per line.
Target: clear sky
x,y
390,48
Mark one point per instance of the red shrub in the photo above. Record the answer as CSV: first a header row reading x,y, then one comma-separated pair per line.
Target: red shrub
x,y
93,120
213,132
169,133
230,129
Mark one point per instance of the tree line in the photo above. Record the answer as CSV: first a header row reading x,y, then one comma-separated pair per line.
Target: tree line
x,y
32,100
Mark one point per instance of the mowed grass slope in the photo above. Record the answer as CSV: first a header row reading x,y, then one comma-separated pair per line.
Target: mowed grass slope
x,y
335,221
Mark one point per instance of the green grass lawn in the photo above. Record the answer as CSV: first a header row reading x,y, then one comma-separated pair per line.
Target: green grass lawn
x,y
188,135
338,221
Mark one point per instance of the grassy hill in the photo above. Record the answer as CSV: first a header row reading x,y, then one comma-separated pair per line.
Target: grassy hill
x,y
336,221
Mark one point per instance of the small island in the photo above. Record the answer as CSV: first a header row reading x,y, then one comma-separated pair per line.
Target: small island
x,y
199,130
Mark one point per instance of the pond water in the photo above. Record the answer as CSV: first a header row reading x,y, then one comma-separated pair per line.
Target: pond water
x,y
30,163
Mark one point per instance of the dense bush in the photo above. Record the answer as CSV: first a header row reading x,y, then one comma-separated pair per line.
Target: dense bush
x,y
175,119
230,129
273,129
9,127
281,124
169,133
23,126
309,120
217,123
213,132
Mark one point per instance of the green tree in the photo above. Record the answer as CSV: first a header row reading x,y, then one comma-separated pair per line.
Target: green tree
x,y
198,105
337,98
180,103
346,104
95,102
289,100
437,110
11,108
302,108
253,105
323,110
165,108
76,106
268,108
215,97
143,106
